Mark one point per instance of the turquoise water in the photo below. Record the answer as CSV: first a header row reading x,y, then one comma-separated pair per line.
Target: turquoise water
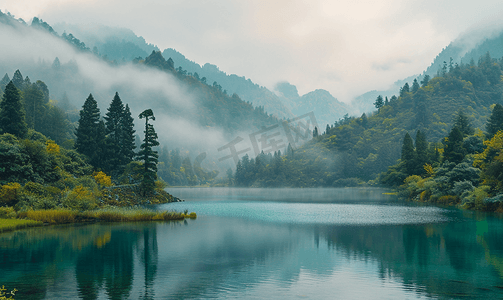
x,y
266,244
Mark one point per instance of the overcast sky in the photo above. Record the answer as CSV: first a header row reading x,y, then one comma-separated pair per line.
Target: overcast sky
x,y
346,47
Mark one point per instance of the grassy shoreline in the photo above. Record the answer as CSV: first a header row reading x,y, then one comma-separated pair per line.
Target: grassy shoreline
x,y
34,218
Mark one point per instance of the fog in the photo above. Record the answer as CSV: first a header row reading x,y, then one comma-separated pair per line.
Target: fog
x,y
33,52
345,47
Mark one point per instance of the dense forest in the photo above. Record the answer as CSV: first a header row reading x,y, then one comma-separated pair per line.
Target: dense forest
x,y
454,119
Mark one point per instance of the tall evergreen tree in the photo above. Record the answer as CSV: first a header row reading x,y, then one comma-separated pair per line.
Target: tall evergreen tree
x,y
127,142
408,154
454,150
415,86
12,114
495,122
147,154
87,128
379,102
113,119
404,90
18,80
425,80
33,100
113,124
5,80
463,123
421,152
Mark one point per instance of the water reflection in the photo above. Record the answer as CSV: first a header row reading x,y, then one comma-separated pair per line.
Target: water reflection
x,y
228,257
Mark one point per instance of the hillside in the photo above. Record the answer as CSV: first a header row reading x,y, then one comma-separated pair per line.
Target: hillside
x,y
467,47
122,45
196,117
356,150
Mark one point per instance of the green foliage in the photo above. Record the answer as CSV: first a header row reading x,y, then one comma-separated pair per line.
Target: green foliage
x,y
495,121
454,150
80,198
379,102
88,133
12,114
408,154
147,154
463,123
7,213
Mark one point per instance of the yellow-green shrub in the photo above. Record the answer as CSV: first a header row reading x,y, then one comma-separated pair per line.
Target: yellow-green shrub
x,y
52,216
9,193
80,198
102,179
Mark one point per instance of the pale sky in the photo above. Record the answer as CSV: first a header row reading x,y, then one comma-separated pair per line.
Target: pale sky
x,y
346,47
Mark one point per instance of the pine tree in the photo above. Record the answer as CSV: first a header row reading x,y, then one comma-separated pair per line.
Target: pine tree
x,y
147,154
113,119
425,80
18,80
12,115
404,90
87,128
495,122
454,150
33,100
315,132
379,102
415,86
421,152
5,80
408,154
127,142
463,123
113,123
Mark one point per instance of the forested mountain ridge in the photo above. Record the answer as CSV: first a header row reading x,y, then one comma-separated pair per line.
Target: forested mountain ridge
x,y
357,150
122,45
171,92
467,47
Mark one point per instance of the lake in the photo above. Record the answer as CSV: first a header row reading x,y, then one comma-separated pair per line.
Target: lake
x,y
266,244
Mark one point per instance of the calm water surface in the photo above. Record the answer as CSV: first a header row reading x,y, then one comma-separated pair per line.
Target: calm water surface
x,y
266,244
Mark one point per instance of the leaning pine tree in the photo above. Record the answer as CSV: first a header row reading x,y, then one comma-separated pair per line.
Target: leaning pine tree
x,y
148,155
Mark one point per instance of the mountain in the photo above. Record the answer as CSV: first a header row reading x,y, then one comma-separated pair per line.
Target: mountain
x,y
245,88
190,114
468,47
325,107
357,149
119,44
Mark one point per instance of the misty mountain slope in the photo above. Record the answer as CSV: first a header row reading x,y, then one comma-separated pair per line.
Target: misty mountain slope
x,y
245,88
357,150
116,43
325,107
468,46
189,114
121,45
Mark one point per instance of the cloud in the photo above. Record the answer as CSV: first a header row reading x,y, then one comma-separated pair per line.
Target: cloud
x,y
347,47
